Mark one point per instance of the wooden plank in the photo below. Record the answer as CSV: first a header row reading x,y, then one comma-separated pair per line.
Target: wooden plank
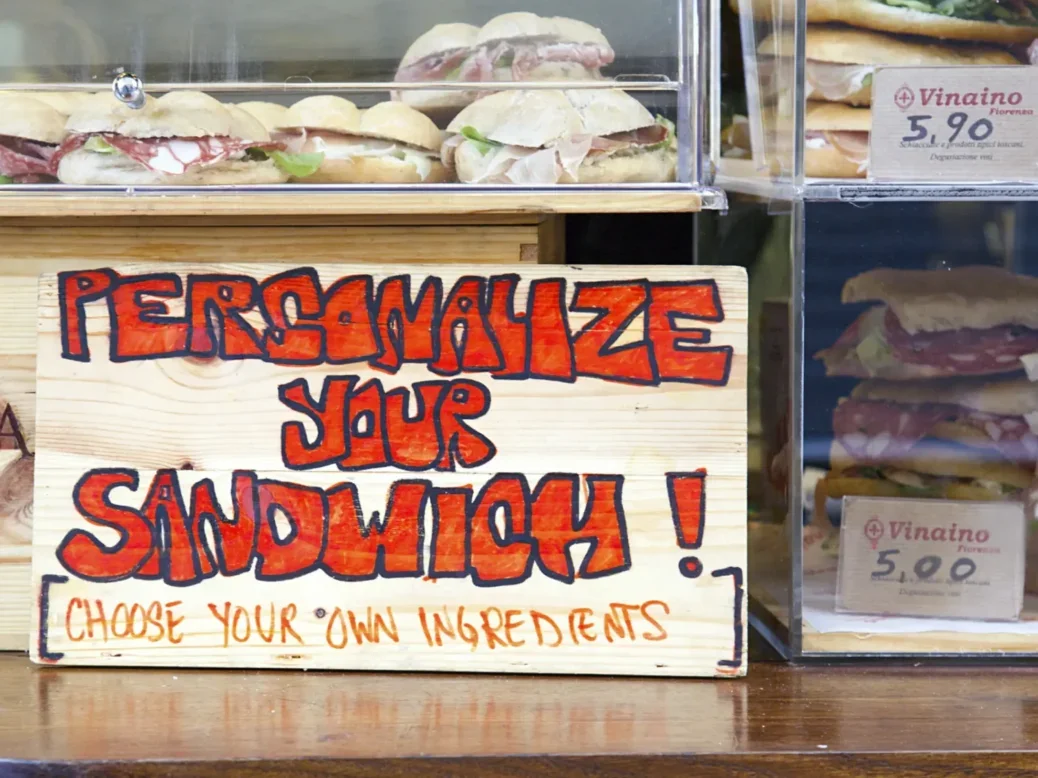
x,y
594,523
30,249
26,250
217,204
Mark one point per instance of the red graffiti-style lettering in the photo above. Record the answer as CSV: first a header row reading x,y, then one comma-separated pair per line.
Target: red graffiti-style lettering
x,y
296,341
466,341
289,530
555,526
222,300
405,328
75,289
144,328
84,555
678,355
388,548
595,348
298,552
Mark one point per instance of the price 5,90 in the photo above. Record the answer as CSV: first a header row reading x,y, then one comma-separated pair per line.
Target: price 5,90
x,y
979,130
925,567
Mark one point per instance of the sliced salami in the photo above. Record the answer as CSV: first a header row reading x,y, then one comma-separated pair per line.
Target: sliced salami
x,y
24,160
172,155
962,352
878,432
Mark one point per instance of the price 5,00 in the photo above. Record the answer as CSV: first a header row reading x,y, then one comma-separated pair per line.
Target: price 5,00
x,y
979,130
925,567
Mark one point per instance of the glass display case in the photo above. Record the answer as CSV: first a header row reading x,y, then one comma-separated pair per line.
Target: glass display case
x,y
801,93
894,342
248,93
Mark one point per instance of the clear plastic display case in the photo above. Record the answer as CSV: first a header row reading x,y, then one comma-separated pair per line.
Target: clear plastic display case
x,y
314,94
801,110
893,403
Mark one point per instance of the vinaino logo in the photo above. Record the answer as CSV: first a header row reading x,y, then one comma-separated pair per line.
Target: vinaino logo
x,y
904,97
873,531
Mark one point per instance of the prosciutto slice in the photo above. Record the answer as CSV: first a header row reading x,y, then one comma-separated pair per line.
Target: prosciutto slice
x,y
171,155
555,163
433,67
26,161
879,432
834,82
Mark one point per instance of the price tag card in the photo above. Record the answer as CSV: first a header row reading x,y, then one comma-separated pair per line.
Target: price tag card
x,y
954,123
941,558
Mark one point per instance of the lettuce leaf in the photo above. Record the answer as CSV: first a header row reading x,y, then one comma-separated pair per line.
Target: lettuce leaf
x,y
481,142
6,180
297,165
99,145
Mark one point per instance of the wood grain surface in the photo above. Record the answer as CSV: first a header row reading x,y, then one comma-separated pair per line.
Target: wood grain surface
x,y
780,721
210,419
309,204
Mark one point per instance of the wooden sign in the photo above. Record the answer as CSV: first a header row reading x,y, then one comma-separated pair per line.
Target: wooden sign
x,y
954,124
257,466
941,558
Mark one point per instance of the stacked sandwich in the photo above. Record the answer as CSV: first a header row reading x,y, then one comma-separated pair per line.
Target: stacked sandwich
x,y
511,47
840,61
948,407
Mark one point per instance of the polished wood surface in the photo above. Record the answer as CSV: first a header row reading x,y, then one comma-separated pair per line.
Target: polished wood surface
x,y
781,720
288,203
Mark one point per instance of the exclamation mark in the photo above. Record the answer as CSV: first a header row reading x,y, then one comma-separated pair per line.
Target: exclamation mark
x,y
687,492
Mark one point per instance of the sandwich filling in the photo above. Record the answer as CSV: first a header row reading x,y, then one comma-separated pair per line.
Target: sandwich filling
x,y
875,432
1020,12
337,145
934,450
853,145
876,345
24,161
520,56
175,156
835,82
557,162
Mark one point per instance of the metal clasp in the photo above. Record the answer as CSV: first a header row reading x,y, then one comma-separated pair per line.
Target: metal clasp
x,y
129,89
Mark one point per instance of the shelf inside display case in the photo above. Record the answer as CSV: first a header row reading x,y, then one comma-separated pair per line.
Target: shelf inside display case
x,y
850,190
301,201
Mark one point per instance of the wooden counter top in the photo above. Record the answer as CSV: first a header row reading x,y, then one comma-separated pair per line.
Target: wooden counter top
x,y
449,203
781,720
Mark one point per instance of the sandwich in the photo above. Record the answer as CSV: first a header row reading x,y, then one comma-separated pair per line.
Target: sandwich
x,y
516,46
956,439
546,137
989,21
389,143
840,60
968,321
270,115
180,139
994,21
69,103
30,134
836,140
